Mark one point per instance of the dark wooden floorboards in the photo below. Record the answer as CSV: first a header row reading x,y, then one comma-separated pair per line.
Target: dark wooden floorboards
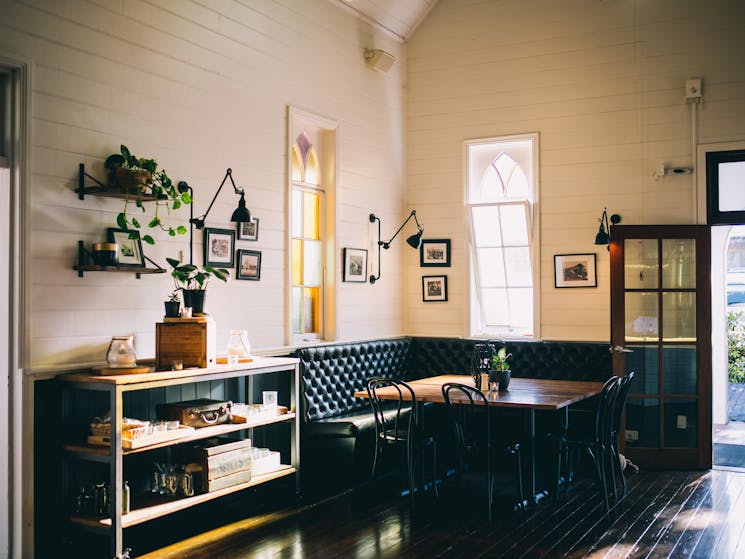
x,y
665,514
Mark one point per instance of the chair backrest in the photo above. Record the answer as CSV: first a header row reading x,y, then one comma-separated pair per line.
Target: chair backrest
x,y
620,402
604,412
470,419
392,422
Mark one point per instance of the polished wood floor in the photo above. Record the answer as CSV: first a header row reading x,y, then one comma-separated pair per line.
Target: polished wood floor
x,y
665,514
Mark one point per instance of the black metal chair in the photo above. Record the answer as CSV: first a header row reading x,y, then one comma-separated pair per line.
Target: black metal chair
x,y
475,445
592,436
397,427
614,455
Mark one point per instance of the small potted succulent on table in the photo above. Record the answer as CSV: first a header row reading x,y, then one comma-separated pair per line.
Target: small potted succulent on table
x,y
173,305
500,371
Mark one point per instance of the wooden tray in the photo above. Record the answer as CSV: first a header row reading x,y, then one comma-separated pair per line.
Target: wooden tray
x,y
138,370
160,437
224,360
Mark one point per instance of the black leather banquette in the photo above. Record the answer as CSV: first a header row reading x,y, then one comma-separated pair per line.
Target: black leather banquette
x,y
337,433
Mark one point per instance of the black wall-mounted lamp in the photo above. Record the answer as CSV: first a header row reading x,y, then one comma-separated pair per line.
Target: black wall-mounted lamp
x,y
240,215
603,236
414,241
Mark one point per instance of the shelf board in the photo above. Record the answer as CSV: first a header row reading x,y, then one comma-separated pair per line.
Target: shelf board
x,y
129,270
101,453
104,193
145,514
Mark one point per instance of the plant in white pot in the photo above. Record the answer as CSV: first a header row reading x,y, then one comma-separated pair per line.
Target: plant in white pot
x,y
192,280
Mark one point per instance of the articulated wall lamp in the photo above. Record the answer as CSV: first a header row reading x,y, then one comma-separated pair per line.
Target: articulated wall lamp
x,y
240,215
414,241
603,236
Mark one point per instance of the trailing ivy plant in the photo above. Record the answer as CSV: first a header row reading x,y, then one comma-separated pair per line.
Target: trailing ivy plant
x,y
157,184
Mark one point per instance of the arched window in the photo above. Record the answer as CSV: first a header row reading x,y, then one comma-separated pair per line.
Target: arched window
x,y
500,202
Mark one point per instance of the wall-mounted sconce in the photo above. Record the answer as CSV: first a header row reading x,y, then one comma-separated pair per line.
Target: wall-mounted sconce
x,y
414,241
378,59
603,236
664,171
240,215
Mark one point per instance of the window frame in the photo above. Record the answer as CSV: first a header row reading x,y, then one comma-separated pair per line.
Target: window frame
x,y
476,327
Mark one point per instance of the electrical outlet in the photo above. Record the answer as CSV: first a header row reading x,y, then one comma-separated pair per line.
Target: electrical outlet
x,y
632,435
682,422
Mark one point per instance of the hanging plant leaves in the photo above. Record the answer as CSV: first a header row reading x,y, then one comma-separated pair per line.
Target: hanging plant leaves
x,y
121,221
148,239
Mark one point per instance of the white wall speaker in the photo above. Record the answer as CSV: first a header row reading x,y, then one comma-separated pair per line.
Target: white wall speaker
x,y
378,59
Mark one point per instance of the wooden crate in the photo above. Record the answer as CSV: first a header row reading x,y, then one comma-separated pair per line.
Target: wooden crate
x,y
193,343
222,464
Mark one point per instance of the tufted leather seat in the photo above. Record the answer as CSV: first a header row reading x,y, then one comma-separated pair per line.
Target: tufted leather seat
x,y
337,433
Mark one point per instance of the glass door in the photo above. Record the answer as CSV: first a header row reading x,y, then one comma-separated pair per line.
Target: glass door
x,y
661,330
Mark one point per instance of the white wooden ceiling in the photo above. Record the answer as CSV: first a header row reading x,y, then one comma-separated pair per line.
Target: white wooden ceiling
x,y
398,18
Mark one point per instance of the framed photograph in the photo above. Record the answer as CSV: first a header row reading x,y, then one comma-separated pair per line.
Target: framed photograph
x,y
219,247
434,252
249,231
128,251
249,265
355,265
434,288
575,270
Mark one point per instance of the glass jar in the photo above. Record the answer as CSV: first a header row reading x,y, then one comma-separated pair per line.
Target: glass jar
x,y
121,352
238,345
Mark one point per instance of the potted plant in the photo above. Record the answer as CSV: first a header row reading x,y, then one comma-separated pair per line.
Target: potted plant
x,y
501,368
192,281
140,176
173,305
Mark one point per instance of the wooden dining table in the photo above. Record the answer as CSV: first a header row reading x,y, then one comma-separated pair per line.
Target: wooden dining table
x,y
526,394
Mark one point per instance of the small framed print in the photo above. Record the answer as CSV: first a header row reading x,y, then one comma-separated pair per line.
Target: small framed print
x,y
575,270
128,251
249,265
219,247
434,252
434,288
249,231
355,265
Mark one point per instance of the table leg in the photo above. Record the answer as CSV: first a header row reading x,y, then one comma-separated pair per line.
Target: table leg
x,y
533,499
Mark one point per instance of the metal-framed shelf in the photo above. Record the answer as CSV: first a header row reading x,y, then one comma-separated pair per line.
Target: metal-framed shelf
x,y
114,455
85,256
101,189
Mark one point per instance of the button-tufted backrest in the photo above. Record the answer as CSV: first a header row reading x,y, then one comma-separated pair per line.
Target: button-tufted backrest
x,y
331,374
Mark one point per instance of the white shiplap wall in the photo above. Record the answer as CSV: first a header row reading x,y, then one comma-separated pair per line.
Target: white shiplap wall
x,y
603,84
201,86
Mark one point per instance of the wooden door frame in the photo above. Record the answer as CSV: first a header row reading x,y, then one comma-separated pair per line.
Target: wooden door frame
x,y
701,456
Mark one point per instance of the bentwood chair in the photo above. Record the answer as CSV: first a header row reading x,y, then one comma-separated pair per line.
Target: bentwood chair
x,y
397,428
476,448
593,436
613,454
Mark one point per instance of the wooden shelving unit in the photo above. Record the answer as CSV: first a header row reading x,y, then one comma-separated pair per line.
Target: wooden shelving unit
x,y
156,506
103,190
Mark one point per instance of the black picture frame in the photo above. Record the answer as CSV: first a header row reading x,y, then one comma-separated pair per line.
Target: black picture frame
x,y
355,265
219,247
434,253
575,270
128,251
248,231
248,265
434,288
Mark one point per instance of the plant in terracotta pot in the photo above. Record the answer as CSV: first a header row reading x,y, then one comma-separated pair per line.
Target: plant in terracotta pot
x,y
140,176
173,305
192,281
501,368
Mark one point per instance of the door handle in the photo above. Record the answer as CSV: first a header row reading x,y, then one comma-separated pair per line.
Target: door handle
x,y
619,349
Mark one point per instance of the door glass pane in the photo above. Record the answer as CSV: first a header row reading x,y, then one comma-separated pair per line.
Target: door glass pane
x,y
640,263
678,263
519,270
491,267
644,362
486,226
495,306
311,220
312,263
296,310
641,317
514,225
642,422
681,423
311,316
679,312
680,369
297,262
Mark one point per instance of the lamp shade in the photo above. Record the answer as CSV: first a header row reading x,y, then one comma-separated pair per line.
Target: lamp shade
x,y
415,241
241,213
602,238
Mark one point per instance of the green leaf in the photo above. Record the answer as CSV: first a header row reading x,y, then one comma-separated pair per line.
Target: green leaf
x,y
148,239
121,221
125,151
186,198
173,262
136,223
171,232
181,230
176,204
134,235
154,222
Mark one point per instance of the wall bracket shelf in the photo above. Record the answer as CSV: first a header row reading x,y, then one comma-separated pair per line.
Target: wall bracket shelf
x,y
84,257
100,189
